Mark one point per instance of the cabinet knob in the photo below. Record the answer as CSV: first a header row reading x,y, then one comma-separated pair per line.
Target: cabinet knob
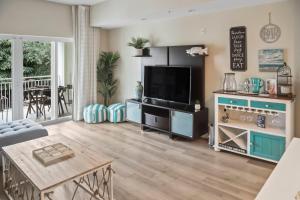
x,y
251,143
231,101
267,106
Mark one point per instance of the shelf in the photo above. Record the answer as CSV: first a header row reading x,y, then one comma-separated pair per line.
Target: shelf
x,y
233,151
144,56
253,127
235,138
252,110
155,128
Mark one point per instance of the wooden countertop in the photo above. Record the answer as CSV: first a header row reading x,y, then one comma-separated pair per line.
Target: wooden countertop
x,y
284,182
257,95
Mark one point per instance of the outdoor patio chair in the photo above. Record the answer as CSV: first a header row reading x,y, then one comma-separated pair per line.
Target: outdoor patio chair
x,y
45,101
32,100
61,99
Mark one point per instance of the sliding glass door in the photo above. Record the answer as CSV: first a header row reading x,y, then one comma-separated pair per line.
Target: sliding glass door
x,y
35,80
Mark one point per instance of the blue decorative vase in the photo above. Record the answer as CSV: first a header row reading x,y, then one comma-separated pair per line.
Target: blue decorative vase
x,y
257,84
139,90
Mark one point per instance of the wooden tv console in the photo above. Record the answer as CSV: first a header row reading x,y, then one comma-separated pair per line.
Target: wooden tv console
x,y
171,119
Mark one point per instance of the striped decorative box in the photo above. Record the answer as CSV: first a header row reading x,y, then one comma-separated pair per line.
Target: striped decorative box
x,y
95,113
116,113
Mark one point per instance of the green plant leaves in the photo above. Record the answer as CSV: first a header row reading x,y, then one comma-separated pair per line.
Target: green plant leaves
x,y
105,67
37,58
138,43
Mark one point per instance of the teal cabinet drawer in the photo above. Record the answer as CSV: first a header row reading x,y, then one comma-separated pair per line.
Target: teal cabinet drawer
x,y
182,123
232,101
268,105
133,111
266,146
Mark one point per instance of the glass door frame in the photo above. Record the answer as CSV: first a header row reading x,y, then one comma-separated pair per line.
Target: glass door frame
x,y
17,79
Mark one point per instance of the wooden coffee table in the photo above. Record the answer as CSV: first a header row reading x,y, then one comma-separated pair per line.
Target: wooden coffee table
x,y
24,177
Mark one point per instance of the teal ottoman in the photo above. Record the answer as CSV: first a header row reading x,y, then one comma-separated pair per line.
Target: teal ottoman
x,y
95,113
116,113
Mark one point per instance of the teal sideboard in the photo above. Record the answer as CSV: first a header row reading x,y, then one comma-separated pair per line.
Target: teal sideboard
x,y
133,111
241,134
266,146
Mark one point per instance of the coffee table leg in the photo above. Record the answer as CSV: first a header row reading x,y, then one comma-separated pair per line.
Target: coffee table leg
x,y
46,196
98,185
15,184
111,182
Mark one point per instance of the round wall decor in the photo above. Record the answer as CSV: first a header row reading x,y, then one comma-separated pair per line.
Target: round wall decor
x,y
270,33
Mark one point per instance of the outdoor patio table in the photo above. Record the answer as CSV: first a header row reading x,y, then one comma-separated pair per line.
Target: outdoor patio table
x,y
36,93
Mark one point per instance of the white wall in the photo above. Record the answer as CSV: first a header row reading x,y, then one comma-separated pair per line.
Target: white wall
x,y
35,17
297,60
188,30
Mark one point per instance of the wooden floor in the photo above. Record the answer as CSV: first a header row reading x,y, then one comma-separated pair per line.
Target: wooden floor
x,y
150,166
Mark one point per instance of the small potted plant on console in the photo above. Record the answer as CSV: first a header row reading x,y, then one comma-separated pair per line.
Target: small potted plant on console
x,y
139,45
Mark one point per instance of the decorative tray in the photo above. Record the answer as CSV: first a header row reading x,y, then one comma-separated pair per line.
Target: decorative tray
x,y
53,154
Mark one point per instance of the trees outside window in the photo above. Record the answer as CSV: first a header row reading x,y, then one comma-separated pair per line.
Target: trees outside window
x,y
37,58
5,59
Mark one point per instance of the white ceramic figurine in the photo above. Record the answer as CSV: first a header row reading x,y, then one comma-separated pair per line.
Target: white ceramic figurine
x,y
197,51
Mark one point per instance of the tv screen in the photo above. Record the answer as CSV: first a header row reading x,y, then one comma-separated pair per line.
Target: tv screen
x,y
168,83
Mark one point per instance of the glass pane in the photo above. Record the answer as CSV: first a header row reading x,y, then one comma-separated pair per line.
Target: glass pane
x,y
65,73
37,80
5,81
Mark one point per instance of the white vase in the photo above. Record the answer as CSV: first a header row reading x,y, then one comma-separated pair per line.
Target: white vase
x,y
138,52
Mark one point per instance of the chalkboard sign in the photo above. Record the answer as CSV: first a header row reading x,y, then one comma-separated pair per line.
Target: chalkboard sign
x,y
238,48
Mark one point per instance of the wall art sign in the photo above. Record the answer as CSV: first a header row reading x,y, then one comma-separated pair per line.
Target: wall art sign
x,y
238,48
270,33
269,60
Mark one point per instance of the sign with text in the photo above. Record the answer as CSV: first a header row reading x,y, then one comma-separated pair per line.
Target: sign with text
x,y
238,48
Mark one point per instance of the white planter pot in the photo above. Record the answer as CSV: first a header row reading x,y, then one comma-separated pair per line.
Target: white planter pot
x,y
138,52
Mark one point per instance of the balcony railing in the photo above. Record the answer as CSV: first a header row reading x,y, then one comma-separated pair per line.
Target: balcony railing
x,y
28,82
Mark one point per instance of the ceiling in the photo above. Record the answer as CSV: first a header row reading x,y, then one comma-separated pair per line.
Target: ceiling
x,y
118,13
78,2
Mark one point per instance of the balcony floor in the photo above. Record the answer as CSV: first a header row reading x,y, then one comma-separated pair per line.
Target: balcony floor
x,y
33,116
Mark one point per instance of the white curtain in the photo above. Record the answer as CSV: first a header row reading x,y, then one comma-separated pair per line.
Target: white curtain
x,y
86,53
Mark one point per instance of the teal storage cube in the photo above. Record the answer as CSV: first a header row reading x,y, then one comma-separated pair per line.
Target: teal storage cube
x,y
266,146
182,123
133,112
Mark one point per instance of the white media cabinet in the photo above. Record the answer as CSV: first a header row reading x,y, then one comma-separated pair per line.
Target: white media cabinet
x,y
241,134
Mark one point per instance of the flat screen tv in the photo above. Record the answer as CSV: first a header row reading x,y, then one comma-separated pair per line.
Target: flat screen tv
x,y
168,83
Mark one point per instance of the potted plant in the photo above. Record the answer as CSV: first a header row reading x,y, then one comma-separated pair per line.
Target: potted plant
x,y
139,45
105,68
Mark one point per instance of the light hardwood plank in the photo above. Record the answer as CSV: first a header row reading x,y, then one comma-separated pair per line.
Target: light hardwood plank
x,y
150,166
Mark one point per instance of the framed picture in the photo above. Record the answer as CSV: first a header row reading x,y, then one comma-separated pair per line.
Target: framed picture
x,y
271,86
270,59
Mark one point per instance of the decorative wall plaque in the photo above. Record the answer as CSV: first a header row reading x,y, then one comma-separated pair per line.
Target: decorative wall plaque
x,y
270,33
238,48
